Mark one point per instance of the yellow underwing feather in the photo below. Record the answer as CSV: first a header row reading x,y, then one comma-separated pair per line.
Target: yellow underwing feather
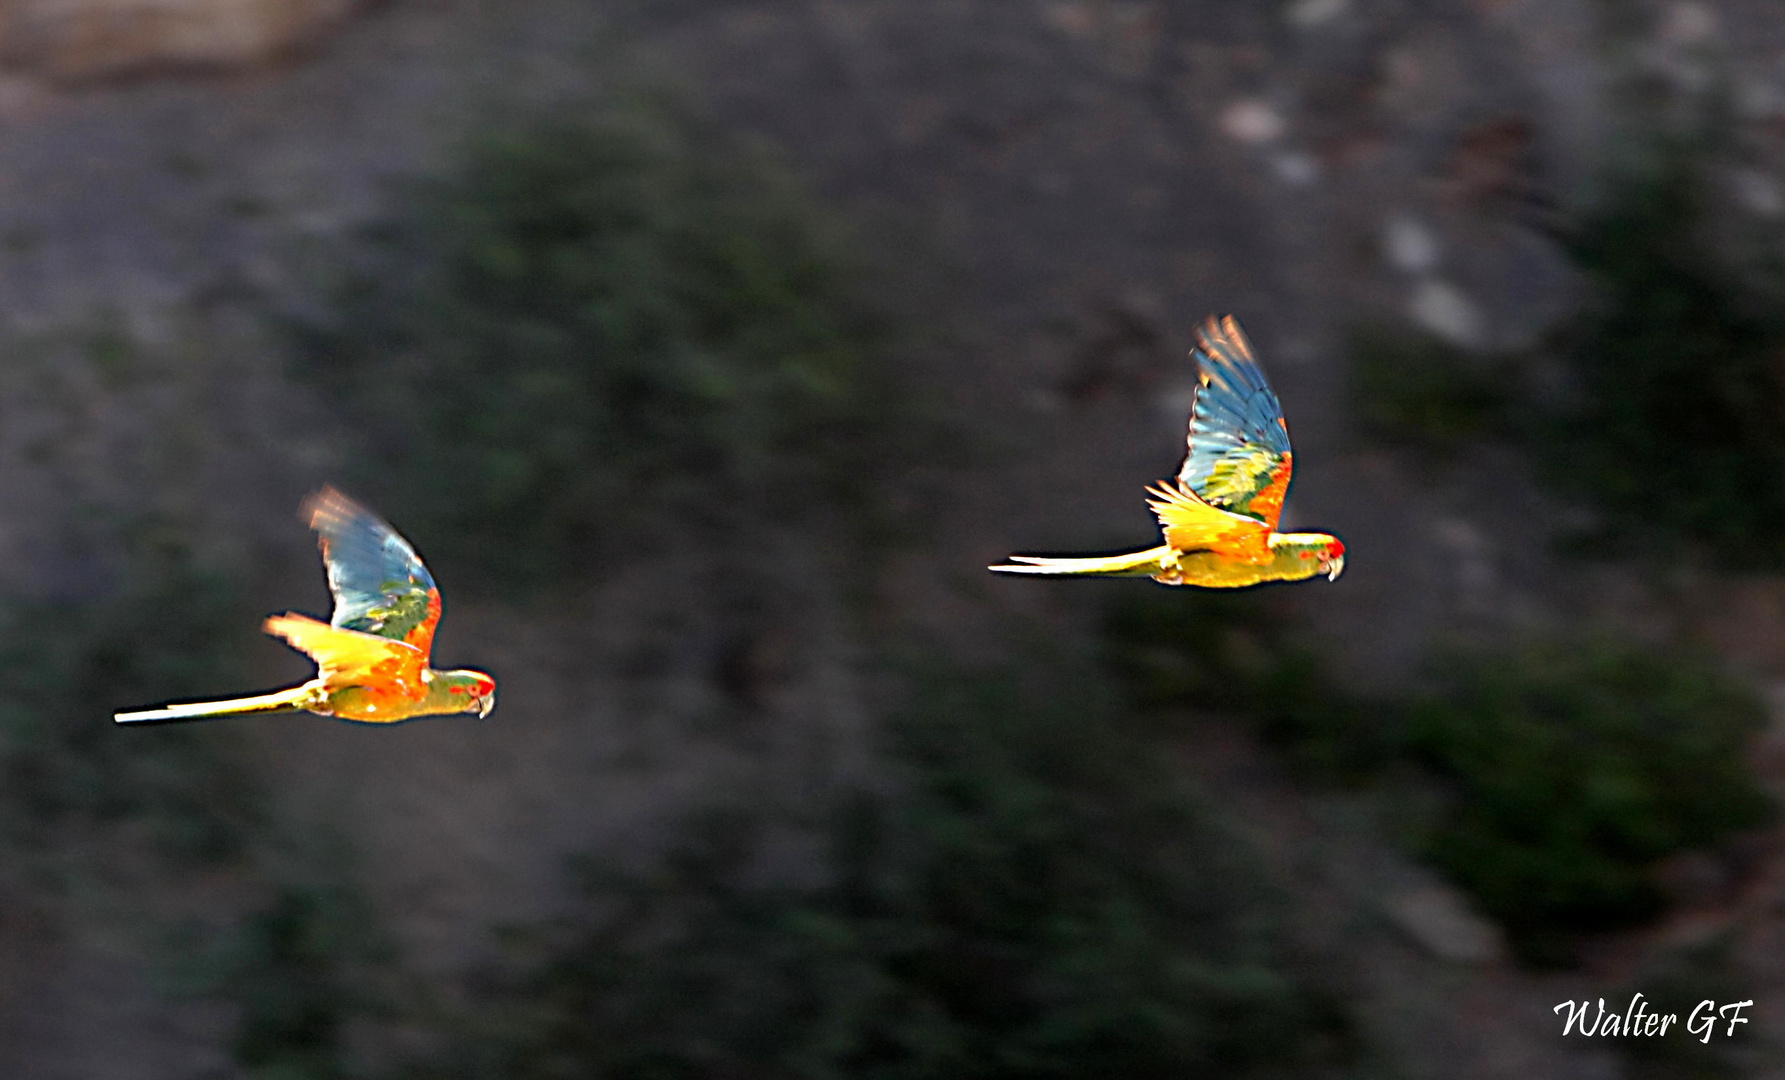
x,y
1190,524
348,656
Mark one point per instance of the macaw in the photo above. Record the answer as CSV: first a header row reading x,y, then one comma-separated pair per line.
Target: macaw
x,y
372,656
1219,515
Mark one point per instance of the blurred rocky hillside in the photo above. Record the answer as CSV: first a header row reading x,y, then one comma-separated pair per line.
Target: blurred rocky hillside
x,y
1057,191
83,40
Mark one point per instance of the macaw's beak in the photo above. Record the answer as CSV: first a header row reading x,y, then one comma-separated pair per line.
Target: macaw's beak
x,y
485,704
1335,568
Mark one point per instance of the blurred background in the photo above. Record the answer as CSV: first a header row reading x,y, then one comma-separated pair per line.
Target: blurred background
x,y
708,350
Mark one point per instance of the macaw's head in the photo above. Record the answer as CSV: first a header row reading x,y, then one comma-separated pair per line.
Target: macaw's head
x,y
1332,558
1304,555
472,691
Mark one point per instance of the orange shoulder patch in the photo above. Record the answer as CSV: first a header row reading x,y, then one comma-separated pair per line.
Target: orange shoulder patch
x,y
1268,503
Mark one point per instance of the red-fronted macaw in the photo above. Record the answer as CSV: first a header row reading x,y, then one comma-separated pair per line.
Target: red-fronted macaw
x,y
372,656
1220,514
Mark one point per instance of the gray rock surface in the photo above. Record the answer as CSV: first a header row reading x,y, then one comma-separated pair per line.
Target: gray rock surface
x,y
74,40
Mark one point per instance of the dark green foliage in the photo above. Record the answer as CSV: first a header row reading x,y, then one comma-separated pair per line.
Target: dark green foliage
x,y
1574,770
168,629
305,968
293,968
1040,899
1679,426
1413,389
1233,652
596,324
1569,770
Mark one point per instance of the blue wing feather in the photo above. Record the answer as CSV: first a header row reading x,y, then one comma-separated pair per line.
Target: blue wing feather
x,y
379,583
1237,438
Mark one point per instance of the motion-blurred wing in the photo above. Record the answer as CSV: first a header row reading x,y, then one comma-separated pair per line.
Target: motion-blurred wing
x,y
380,585
348,656
1238,457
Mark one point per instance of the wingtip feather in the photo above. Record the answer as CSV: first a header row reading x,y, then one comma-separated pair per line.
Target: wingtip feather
x,y
276,625
1216,327
332,507
312,506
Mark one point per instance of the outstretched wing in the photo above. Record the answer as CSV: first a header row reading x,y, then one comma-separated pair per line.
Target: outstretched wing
x,y
350,657
1238,458
1190,524
380,586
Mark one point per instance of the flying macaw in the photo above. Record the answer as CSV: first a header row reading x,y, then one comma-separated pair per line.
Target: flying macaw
x,y
1220,514
372,657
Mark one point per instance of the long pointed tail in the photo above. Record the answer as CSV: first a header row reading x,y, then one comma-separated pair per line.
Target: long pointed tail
x,y
1134,564
291,700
